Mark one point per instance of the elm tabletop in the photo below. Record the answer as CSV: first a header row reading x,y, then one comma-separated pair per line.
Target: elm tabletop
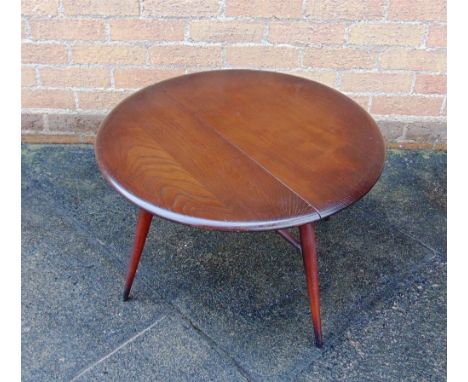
x,y
241,150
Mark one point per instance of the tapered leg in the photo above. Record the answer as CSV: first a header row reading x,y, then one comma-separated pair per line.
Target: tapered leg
x,y
142,228
309,254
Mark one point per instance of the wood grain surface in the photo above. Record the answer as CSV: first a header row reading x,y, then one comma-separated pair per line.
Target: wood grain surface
x,y
240,150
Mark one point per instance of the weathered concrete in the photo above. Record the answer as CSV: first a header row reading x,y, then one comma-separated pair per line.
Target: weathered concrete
x,y
230,306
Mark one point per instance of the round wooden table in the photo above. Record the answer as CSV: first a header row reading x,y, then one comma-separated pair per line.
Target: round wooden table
x,y
241,150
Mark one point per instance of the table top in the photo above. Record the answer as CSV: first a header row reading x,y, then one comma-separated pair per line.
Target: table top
x,y
240,150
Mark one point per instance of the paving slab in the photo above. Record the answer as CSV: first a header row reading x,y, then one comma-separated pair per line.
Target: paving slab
x,y
71,313
402,338
412,196
246,292
168,351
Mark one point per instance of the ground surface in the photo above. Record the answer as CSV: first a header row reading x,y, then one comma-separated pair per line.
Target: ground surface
x,y
230,306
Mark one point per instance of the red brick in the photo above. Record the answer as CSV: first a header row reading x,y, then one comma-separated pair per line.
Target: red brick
x,y
32,122
341,58
406,105
100,100
376,82
327,78
230,31
346,9
306,33
414,59
386,34
28,76
185,55
137,78
262,56
39,7
391,130
81,77
49,138
261,8
418,10
61,29
49,99
108,54
74,123
136,29
431,84
437,36
101,7
427,132
188,8
43,54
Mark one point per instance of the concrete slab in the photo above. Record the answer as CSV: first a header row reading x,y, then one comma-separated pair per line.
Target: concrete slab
x,y
402,338
244,293
71,310
168,351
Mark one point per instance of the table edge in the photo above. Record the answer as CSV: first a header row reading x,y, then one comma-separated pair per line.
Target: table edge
x,y
238,225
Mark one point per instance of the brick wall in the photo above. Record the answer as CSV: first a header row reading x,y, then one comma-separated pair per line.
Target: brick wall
x,y
81,57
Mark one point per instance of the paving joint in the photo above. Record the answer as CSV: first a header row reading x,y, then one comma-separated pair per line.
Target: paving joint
x,y
388,287
113,259
388,283
121,346
393,284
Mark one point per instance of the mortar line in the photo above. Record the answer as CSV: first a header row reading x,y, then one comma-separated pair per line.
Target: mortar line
x,y
178,66
386,7
443,106
304,9
60,10
27,29
301,18
222,9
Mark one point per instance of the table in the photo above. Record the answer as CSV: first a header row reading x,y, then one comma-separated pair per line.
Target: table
x,y
241,150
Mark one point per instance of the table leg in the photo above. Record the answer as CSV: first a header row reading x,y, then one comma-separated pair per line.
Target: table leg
x,y
309,254
142,228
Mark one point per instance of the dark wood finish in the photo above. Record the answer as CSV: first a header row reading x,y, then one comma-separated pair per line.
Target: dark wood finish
x,y
309,254
142,228
240,150
285,234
